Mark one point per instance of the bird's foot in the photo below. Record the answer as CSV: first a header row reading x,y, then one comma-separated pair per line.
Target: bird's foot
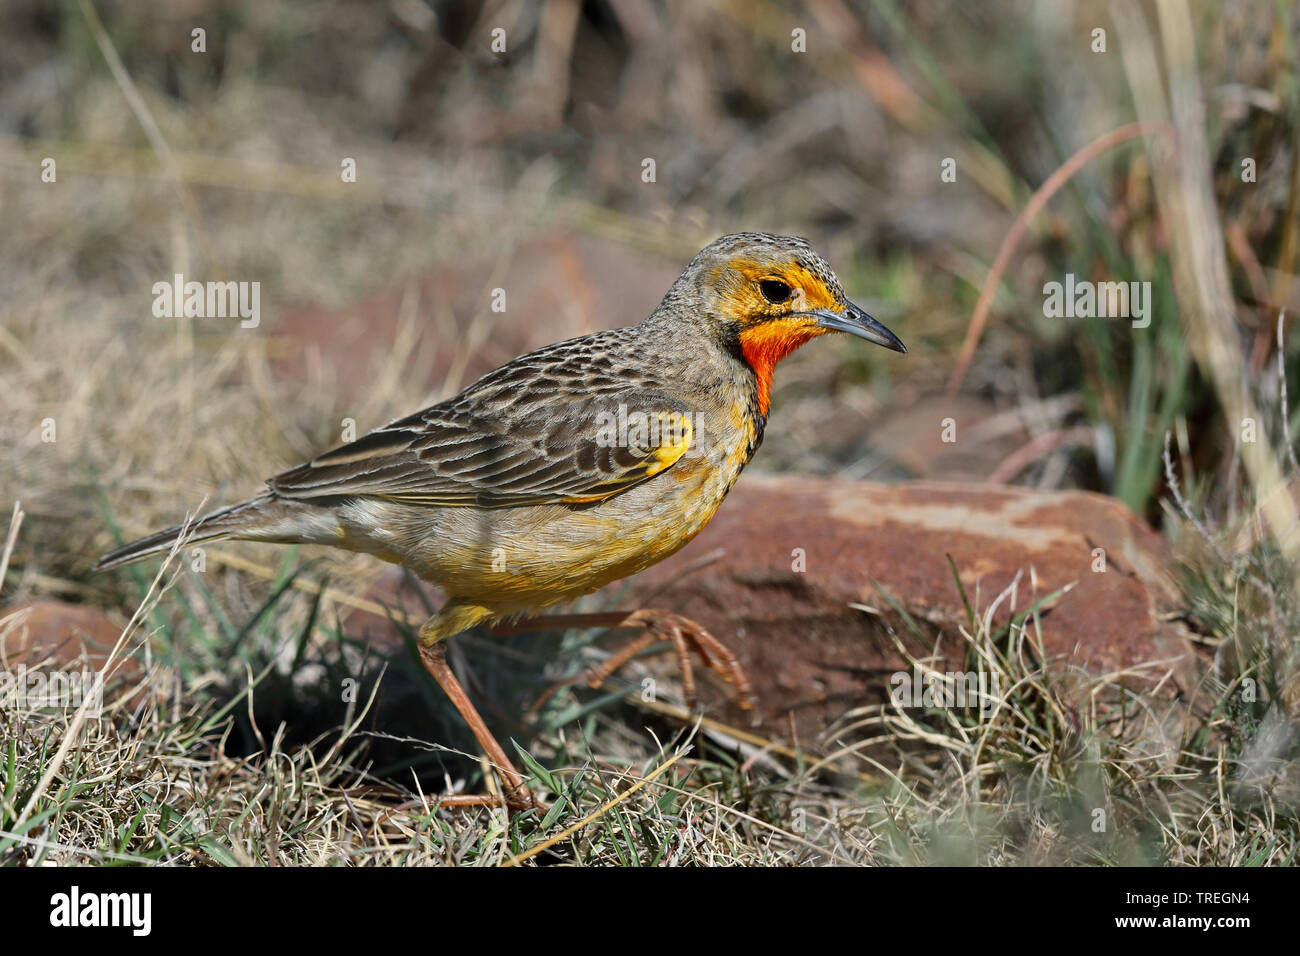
x,y
686,636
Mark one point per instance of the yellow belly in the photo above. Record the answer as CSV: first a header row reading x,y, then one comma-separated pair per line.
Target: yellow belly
x,y
514,560
528,558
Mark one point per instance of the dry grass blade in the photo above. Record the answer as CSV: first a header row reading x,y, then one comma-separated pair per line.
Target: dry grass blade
x,y
15,522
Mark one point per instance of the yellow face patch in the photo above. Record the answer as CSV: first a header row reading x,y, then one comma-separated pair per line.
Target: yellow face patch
x,y
769,331
740,281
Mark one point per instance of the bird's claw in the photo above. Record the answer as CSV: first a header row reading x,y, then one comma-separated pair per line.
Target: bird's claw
x,y
686,636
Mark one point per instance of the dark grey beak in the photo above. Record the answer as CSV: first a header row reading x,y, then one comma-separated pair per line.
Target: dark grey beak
x,y
856,322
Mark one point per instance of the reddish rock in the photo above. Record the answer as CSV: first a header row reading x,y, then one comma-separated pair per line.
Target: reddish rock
x,y
812,655
54,635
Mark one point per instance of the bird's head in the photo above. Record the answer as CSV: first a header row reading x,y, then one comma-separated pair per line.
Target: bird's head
x,y
771,294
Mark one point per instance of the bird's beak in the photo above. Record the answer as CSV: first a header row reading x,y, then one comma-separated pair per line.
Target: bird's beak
x,y
855,321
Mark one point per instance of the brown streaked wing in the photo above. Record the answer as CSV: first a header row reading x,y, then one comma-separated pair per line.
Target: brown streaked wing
x,y
519,436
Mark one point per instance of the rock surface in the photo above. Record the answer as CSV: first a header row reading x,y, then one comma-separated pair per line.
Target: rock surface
x,y
812,655
54,635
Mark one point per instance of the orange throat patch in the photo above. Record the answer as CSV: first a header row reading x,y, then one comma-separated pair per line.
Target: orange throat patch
x,y
766,344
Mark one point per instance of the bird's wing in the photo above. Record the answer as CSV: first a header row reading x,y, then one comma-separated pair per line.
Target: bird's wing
x,y
512,439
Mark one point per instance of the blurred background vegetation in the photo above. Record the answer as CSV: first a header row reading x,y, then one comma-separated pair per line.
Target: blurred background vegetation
x,y
523,169
463,152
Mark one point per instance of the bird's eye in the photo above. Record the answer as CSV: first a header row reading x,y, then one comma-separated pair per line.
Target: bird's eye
x,y
774,290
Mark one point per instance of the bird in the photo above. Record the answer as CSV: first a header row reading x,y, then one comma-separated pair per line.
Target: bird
x,y
572,466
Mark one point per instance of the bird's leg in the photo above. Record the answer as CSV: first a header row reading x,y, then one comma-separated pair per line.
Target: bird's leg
x,y
685,634
517,794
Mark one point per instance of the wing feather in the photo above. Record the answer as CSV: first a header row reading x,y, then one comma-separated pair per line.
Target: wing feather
x,y
540,430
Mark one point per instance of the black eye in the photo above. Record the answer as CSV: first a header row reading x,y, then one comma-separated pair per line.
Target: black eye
x,y
774,290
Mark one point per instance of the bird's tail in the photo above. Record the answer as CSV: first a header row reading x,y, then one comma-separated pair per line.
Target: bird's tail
x,y
236,520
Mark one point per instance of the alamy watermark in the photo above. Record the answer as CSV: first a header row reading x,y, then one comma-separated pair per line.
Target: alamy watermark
x,y
1083,299
946,690
77,908
40,690
209,300
647,430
